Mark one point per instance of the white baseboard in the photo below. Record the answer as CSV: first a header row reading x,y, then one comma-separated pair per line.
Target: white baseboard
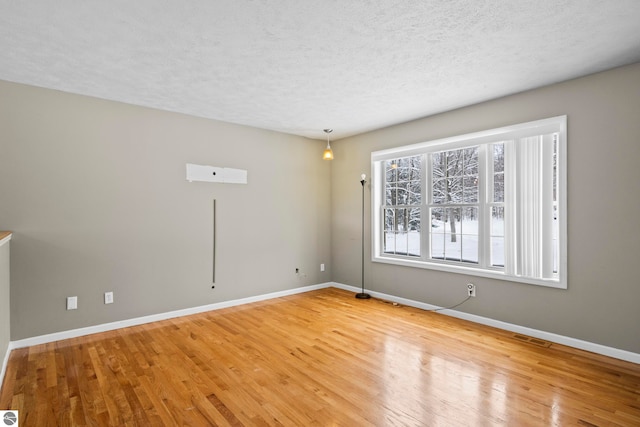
x,y
4,364
57,336
547,336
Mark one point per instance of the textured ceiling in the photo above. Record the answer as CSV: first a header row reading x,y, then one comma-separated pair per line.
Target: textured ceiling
x,y
299,66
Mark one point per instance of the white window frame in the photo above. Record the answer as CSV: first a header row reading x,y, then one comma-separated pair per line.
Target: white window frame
x,y
515,132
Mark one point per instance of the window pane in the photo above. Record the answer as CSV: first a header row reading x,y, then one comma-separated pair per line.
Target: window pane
x,y
390,169
469,249
404,164
401,223
414,219
556,241
497,152
388,199
403,173
452,242
452,247
497,251
454,231
413,243
416,168
437,233
413,232
437,246
439,191
470,190
454,234
437,220
452,219
403,187
401,243
497,236
455,176
389,242
389,220
453,190
438,165
471,161
498,187
403,184
415,192
469,234
469,221
498,157
455,165
555,167
402,197
497,221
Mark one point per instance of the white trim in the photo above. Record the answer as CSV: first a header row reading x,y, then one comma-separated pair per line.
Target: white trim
x,y
519,130
547,336
5,240
515,132
3,370
74,333
463,269
5,361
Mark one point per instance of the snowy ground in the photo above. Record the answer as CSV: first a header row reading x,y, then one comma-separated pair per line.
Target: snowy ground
x,y
465,247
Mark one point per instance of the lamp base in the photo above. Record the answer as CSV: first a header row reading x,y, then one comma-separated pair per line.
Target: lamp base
x,y
363,296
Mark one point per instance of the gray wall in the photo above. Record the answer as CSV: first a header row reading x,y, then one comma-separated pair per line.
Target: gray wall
x,y
5,313
601,302
96,196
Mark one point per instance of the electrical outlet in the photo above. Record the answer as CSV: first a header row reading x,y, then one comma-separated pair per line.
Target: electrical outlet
x,y
321,267
108,297
72,303
471,289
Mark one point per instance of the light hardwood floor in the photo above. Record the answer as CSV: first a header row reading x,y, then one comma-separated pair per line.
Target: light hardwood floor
x,y
321,358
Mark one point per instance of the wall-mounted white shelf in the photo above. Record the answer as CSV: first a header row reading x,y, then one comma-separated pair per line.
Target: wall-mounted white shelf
x,y
216,174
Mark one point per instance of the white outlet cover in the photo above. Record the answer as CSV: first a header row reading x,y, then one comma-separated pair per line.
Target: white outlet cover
x,y
108,297
72,303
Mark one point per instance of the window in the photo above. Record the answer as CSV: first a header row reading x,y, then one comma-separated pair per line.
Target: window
x,y
403,197
491,203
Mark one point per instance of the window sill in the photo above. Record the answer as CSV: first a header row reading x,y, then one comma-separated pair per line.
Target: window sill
x,y
471,271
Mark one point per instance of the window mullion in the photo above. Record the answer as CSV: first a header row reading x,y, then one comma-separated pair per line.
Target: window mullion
x,y
425,218
484,229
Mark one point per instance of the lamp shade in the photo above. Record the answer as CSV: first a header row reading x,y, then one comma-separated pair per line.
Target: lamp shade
x,y
328,152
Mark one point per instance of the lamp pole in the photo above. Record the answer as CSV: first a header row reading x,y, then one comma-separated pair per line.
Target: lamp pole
x,y
363,294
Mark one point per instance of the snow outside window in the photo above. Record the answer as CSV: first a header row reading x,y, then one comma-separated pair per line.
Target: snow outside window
x,y
490,204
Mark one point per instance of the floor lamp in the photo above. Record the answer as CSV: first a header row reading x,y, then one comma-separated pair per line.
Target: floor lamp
x,y
363,295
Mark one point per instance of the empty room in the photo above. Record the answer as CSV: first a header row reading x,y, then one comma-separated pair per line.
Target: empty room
x,y
295,213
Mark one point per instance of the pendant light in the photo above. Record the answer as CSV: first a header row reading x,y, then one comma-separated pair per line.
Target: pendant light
x,y
328,153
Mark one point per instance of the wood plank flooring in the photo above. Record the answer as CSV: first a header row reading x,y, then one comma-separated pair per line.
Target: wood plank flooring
x,y
322,358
